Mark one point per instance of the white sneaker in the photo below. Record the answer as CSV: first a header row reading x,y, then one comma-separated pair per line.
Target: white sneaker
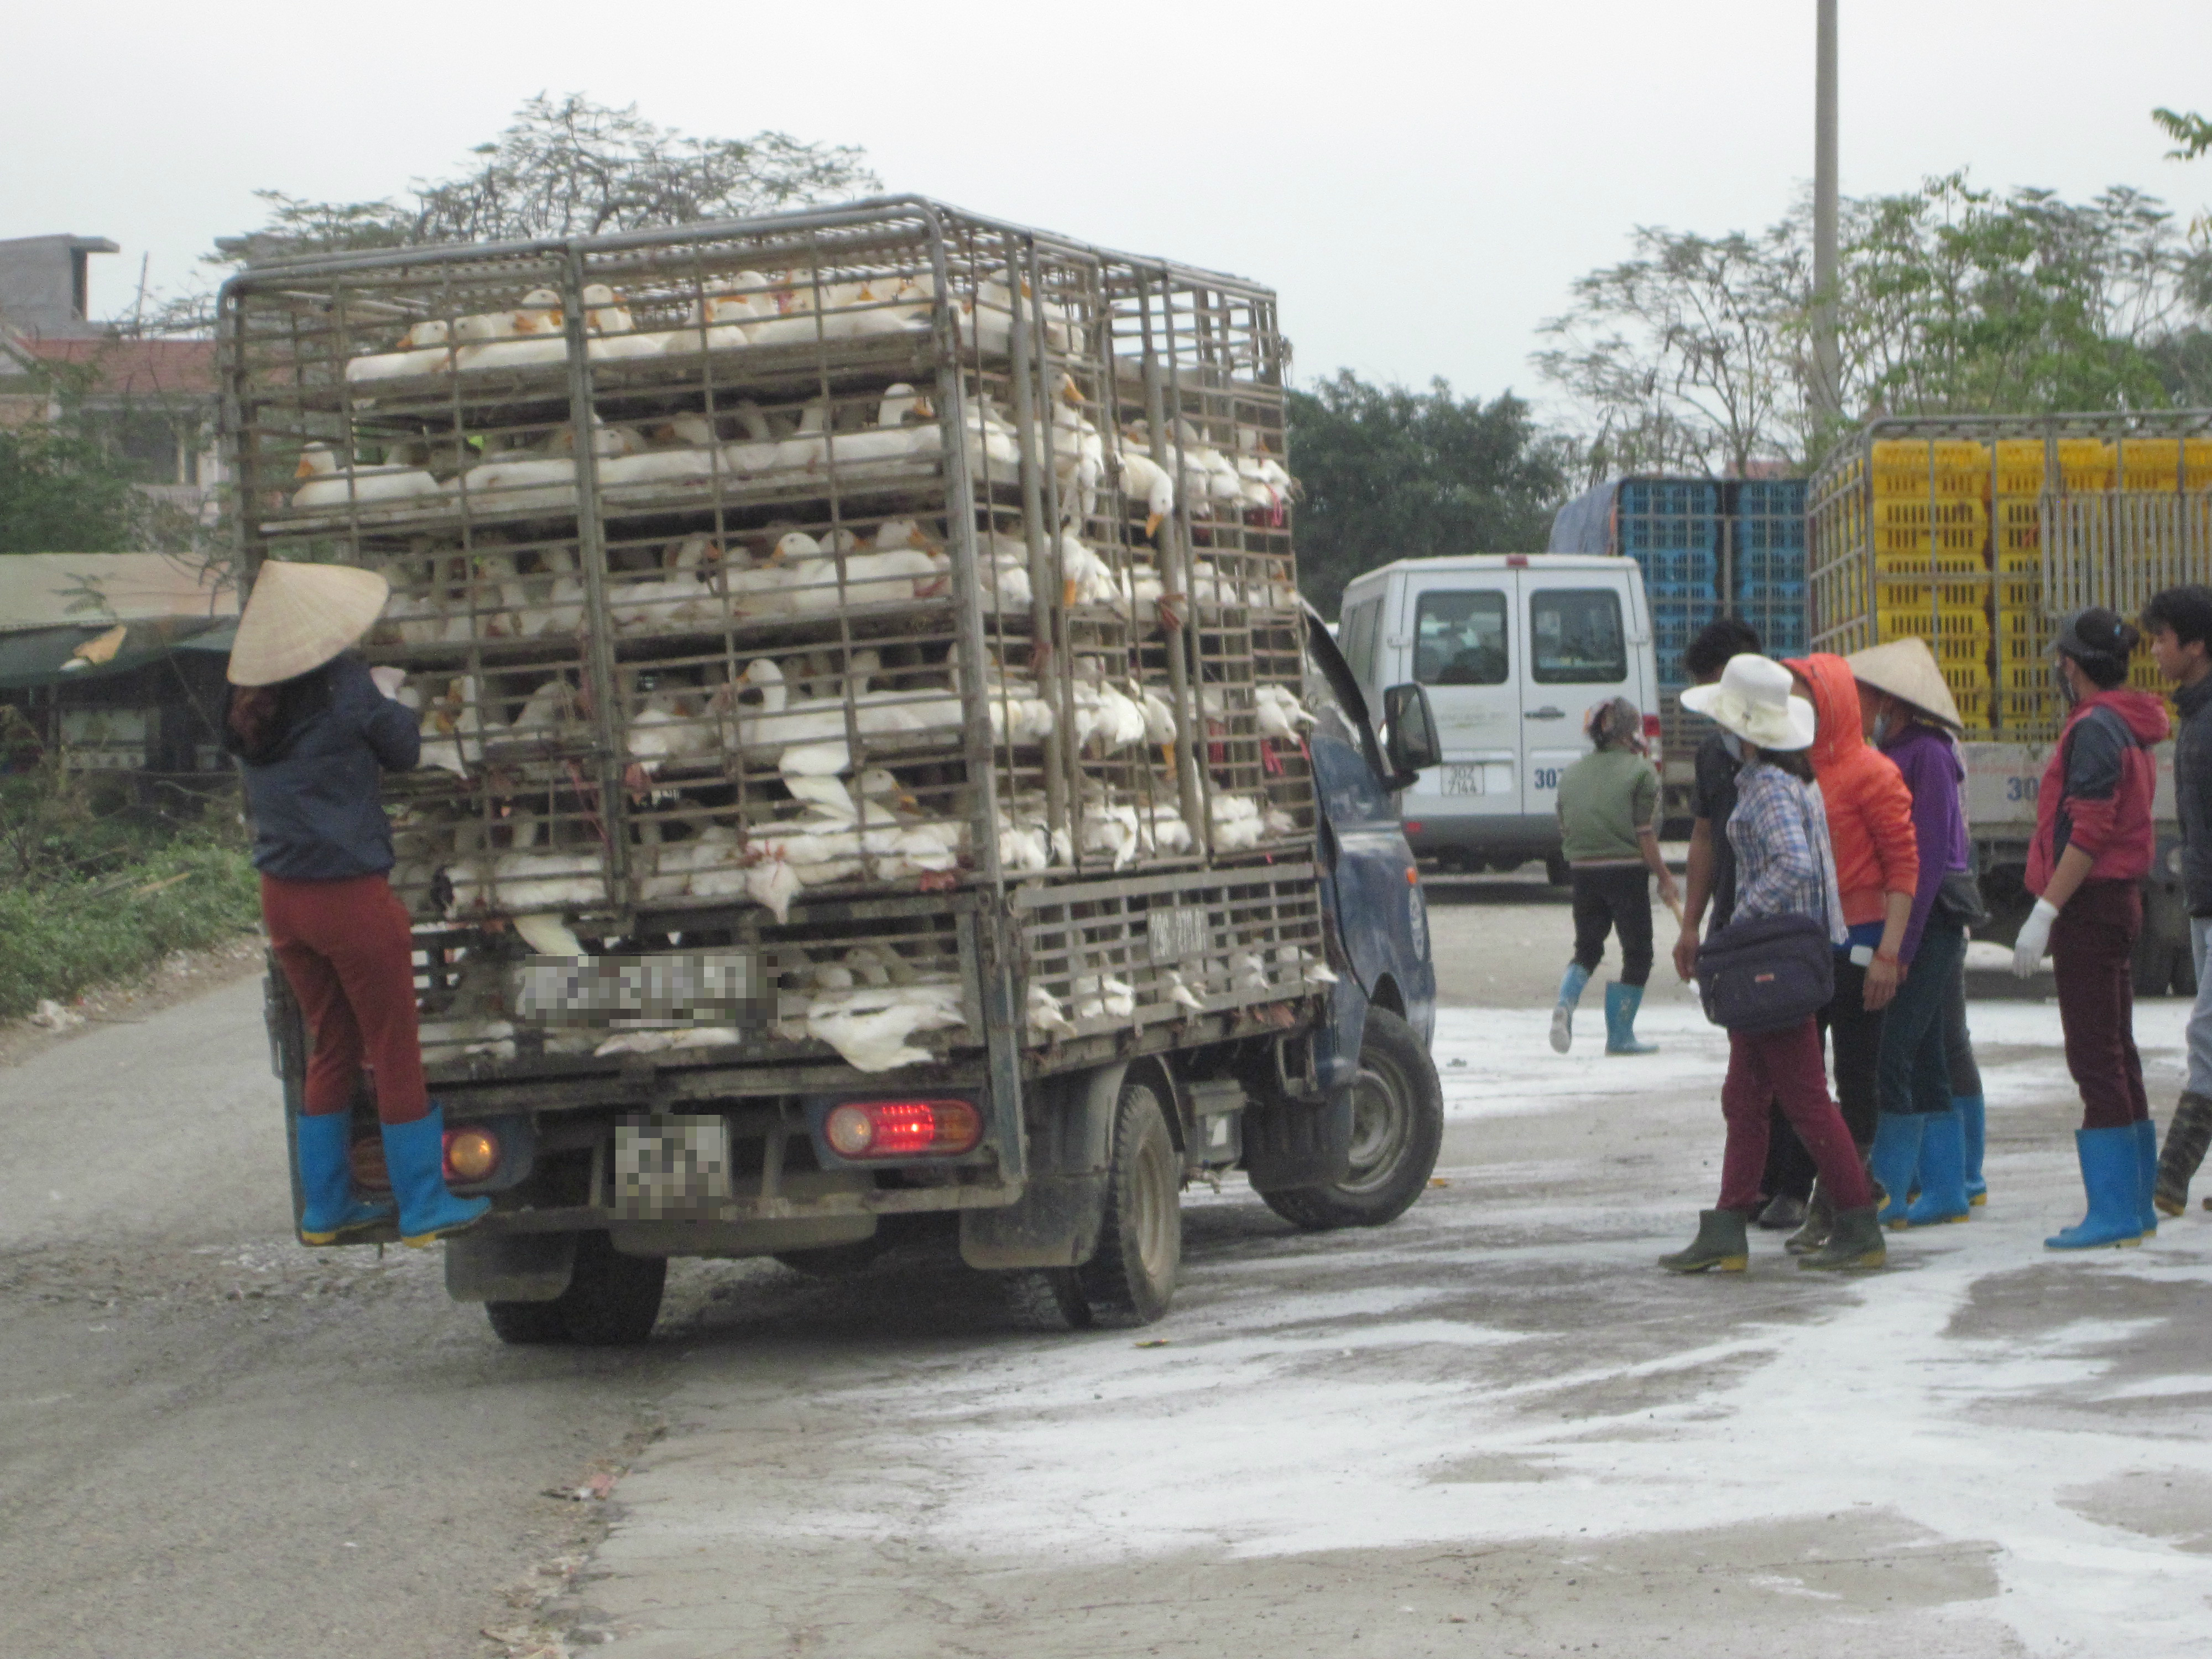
x,y
1563,1027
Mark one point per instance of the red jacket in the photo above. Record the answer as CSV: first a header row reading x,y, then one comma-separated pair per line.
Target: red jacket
x,y
2097,789
1869,809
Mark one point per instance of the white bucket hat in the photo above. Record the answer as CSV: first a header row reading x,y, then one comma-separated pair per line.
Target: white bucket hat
x,y
301,616
1907,670
1752,699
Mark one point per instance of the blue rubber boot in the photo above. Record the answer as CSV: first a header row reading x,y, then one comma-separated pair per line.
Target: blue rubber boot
x,y
1892,1159
329,1207
1942,1172
2146,1157
1563,1017
1621,1002
2111,1174
1973,1118
415,1154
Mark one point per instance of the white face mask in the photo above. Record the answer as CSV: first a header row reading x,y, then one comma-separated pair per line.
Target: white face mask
x,y
1881,730
1734,744
2065,683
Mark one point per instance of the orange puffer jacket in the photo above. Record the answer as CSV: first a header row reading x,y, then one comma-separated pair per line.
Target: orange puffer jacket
x,y
1869,808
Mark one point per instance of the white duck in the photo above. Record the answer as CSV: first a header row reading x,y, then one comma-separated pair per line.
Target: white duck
x,y
902,418
683,450
612,333
532,333
869,1025
1280,713
677,595
723,321
424,349
326,486
555,599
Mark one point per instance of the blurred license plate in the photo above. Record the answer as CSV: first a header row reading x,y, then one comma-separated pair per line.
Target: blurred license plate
x,y
1463,780
669,1164
712,988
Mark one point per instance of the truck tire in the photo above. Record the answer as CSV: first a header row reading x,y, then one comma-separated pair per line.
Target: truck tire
x,y
1047,1299
835,1260
611,1301
1397,1129
1132,1277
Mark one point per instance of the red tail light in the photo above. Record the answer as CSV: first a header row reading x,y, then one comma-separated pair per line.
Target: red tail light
x,y
1414,826
471,1155
903,1128
1650,725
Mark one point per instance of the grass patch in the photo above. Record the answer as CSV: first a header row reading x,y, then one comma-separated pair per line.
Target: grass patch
x,y
93,889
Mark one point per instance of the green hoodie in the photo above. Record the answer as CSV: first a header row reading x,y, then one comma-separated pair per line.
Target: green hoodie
x,y
1605,797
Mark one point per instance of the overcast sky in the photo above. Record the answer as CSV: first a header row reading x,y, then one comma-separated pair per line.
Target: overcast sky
x,y
1420,182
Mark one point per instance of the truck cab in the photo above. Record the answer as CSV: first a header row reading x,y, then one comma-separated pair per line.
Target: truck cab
x,y
1511,650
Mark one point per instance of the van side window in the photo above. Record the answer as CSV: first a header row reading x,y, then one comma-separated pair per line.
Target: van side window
x,y
1359,639
1575,637
1459,638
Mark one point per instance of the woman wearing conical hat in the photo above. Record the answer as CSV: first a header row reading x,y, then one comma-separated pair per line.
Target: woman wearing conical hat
x,y
1921,1133
313,733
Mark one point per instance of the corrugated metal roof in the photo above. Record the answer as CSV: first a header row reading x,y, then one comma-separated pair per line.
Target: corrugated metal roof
x,y
53,590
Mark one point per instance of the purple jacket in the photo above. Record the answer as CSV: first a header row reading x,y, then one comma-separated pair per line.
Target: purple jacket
x,y
1930,761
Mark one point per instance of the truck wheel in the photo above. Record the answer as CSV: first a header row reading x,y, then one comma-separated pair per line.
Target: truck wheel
x,y
835,1260
611,1301
1047,1299
1397,1128
1132,1277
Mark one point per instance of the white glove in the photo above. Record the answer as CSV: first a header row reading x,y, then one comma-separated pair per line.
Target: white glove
x,y
388,680
2034,937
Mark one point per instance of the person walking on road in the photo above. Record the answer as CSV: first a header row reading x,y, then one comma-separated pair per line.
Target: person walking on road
x,y
1784,867
312,729
2178,623
1878,871
2092,845
1910,717
1608,802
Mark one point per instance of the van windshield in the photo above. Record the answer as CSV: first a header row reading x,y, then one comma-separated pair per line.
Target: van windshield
x,y
1460,638
1575,637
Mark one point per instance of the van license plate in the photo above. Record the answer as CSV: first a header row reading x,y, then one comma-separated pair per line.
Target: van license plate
x,y
1463,780
670,1163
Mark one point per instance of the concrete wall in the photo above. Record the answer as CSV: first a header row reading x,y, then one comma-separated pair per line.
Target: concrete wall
x,y
44,284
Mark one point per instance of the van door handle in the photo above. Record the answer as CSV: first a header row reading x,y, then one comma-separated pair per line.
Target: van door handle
x,y
1545,715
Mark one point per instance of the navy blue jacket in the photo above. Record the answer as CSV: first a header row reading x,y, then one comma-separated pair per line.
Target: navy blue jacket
x,y
313,804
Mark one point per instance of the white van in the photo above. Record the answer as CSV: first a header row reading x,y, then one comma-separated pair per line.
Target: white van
x,y
1514,648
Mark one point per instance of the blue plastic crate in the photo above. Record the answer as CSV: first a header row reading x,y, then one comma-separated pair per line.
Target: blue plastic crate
x,y
1790,596
1643,533
1781,635
1669,497
1681,592
1756,567
1680,566
1772,498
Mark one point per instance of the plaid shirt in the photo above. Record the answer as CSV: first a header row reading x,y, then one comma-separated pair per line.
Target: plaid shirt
x,y
1784,866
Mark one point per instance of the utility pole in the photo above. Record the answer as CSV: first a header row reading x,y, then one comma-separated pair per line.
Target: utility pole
x,y
1827,359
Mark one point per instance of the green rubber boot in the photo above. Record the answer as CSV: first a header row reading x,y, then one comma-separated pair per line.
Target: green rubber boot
x,y
1721,1242
1854,1242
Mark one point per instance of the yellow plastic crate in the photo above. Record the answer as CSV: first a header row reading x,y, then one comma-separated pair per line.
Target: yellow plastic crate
x,y
1932,624
2083,464
2018,593
1927,596
1903,512
1955,549
2015,677
2029,713
2023,636
1973,702
2165,464
1943,468
1964,658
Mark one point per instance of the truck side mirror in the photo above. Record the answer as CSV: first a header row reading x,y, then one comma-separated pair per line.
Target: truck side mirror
x,y
1411,747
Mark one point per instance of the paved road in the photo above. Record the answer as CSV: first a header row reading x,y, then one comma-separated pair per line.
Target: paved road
x,y
1491,1429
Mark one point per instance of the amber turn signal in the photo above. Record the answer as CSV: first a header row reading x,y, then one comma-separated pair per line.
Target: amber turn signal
x,y
471,1154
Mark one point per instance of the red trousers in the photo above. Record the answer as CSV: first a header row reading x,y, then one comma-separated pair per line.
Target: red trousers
x,y
2093,949
1764,1066
349,952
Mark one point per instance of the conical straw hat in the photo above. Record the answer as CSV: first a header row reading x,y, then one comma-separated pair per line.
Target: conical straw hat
x,y
1906,669
301,616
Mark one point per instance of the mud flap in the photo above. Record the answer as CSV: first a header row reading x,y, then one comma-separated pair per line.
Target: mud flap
x,y
509,1267
1288,1146
1055,1222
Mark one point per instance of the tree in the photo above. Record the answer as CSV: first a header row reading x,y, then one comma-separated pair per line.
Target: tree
x,y
563,167
60,493
1390,473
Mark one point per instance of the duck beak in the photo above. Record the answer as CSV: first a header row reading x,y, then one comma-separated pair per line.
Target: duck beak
x,y
305,470
925,409
1152,523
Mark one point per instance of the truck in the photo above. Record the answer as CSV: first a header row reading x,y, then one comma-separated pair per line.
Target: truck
x,y
1979,534
879,774
1512,649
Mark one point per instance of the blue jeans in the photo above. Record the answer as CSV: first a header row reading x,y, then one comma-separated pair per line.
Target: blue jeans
x,y
1913,1067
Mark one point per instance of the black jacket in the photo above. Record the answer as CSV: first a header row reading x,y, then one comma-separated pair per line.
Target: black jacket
x,y
2192,793
313,803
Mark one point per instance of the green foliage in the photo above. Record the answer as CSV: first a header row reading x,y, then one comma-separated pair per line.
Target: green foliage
x,y
1390,473
88,896
2191,132
563,167
63,492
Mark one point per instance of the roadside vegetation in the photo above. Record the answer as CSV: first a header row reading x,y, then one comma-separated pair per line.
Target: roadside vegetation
x,y
93,889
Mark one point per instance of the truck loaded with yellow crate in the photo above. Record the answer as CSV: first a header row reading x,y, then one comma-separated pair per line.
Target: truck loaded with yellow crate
x,y
1979,534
